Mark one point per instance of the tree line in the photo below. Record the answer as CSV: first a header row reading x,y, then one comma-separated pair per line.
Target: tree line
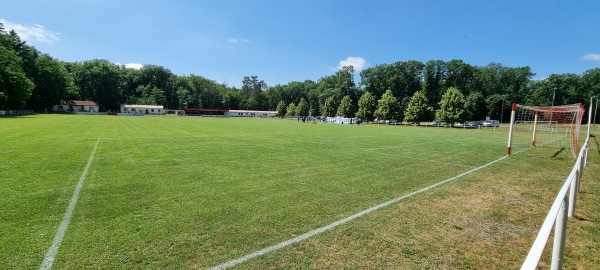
x,y
405,90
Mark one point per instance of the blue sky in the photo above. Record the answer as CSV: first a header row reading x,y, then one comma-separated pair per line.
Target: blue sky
x,y
283,41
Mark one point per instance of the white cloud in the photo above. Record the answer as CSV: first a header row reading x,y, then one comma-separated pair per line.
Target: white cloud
x,y
33,32
591,57
131,65
358,63
237,41
134,65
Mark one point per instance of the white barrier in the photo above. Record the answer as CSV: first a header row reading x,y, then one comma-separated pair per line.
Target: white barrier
x,y
558,214
562,208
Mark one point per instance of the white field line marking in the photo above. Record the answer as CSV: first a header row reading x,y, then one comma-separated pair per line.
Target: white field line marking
x,y
51,254
342,221
428,160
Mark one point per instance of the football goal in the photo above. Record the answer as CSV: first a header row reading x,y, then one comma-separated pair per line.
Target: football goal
x,y
555,128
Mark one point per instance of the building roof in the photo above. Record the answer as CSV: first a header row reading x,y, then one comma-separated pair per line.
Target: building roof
x,y
206,110
251,111
126,106
80,103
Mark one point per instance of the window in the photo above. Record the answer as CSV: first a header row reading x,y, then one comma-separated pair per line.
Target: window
x,y
152,110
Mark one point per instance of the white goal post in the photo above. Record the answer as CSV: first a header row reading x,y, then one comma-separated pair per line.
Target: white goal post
x,y
555,127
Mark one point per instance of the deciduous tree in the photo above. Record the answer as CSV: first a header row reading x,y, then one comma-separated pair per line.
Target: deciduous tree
x,y
346,108
452,106
418,109
387,107
302,108
330,107
281,109
367,104
291,109
15,87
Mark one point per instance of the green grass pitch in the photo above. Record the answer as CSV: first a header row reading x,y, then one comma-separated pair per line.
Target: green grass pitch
x,y
192,192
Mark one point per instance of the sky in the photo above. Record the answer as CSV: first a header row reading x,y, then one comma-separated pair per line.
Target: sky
x,y
281,41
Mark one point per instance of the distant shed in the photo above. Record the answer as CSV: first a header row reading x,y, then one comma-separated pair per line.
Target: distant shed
x,y
76,106
142,109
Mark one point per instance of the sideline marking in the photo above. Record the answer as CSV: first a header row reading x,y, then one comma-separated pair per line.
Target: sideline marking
x,y
342,221
49,259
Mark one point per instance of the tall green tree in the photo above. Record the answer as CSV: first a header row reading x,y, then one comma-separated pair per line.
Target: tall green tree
x,y
558,89
475,107
346,108
590,80
99,81
291,109
253,96
154,76
367,104
281,109
461,75
302,108
418,109
330,107
15,86
434,81
53,83
388,107
495,106
452,106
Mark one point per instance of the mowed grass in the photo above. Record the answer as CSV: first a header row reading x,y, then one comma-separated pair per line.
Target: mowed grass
x,y
191,192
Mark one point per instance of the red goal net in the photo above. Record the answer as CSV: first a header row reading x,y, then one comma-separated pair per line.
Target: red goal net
x,y
555,128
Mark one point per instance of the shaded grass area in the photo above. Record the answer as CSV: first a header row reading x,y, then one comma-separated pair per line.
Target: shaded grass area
x,y
189,192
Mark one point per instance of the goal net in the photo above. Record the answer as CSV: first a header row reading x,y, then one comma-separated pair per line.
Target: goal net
x,y
553,128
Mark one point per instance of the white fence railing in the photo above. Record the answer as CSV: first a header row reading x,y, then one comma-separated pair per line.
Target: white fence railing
x,y
562,208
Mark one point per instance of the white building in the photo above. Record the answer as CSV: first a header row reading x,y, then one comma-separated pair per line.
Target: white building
x,y
135,109
341,120
250,113
76,106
